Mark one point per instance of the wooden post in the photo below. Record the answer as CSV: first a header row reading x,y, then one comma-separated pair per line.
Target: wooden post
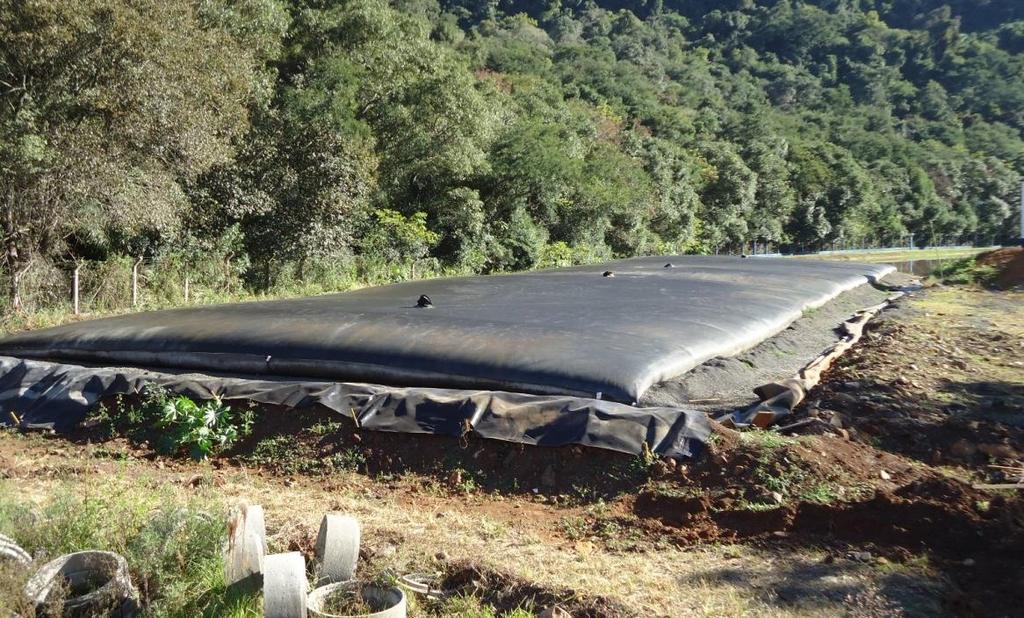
x,y
135,282
186,289
74,288
1022,214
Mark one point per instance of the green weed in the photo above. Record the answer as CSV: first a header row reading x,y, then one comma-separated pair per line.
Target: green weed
x,y
822,493
575,527
757,507
178,423
965,271
760,438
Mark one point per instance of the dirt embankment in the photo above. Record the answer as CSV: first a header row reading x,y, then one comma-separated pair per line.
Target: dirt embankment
x,y
1010,264
832,487
902,443
861,503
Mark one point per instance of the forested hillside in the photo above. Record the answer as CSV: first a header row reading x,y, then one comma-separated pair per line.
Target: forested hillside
x,y
259,142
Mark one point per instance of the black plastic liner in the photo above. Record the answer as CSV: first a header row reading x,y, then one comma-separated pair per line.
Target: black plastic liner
x,y
573,331
40,395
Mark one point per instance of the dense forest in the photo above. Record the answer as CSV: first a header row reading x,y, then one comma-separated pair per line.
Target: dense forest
x,y
255,143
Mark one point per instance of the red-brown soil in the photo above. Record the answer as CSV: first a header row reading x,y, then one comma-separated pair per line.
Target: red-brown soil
x,y
1010,262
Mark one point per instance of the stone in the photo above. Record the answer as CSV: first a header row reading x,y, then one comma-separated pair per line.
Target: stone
x,y
885,475
845,400
963,448
510,459
998,451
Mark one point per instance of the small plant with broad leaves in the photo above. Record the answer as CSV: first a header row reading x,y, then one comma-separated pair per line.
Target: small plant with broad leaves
x,y
177,423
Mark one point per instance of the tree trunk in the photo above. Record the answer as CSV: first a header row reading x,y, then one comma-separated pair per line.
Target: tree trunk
x,y
11,255
14,290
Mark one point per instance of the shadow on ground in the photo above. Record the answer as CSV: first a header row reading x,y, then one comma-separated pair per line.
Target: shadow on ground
x,y
820,585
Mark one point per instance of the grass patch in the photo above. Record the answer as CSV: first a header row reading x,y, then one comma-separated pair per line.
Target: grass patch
x,y
469,606
940,253
965,271
287,455
822,493
770,440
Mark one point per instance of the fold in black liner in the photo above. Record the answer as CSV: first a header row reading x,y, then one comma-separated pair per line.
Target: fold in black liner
x,y
58,396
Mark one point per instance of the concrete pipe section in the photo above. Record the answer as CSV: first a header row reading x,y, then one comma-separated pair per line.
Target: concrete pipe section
x,y
337,548
96,583
246,547
387,602
9,550
284,586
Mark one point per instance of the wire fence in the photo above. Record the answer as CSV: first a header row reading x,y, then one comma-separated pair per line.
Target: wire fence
x,y
124,283
121,283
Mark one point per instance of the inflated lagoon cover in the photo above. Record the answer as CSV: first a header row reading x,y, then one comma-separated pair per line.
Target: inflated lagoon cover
x,y
564,331
567,332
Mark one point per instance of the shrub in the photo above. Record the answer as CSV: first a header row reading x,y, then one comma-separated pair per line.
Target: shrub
x,y
200,428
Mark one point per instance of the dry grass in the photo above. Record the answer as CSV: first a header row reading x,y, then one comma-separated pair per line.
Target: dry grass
x,y
899,256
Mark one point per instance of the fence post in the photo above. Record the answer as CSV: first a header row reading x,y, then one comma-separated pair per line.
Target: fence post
x,y
135,282
186,289
74,288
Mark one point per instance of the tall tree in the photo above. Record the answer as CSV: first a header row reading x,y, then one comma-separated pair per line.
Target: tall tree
x,y
106,107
